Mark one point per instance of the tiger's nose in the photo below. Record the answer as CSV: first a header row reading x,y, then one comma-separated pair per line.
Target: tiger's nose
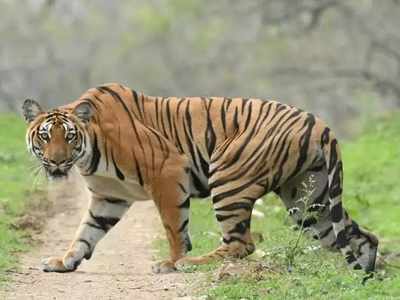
x,y
57,162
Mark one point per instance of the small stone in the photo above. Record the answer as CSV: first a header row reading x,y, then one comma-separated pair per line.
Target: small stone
x,y
258,214
204,297
259,201
258,254
211,233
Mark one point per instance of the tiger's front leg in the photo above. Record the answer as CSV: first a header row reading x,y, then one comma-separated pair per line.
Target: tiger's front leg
x,y
172,198
103,213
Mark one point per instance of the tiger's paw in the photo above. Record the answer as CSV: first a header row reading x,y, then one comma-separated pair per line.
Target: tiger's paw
x,y
56,264
189,262
163,267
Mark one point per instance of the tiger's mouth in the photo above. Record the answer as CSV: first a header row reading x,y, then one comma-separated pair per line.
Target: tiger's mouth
x,y
57,174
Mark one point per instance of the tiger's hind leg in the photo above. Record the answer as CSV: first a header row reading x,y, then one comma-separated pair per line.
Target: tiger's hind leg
x,y
358,246
307,201
233,204
319,213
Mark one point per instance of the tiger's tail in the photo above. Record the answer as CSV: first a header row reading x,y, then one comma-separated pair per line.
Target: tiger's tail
x,y
358,246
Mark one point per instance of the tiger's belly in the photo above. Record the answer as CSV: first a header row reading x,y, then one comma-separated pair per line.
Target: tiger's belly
x,y
128,190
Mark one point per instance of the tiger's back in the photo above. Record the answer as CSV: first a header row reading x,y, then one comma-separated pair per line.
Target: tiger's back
x,y
206,128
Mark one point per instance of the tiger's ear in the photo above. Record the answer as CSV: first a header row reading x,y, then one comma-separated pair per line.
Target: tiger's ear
x,y
31,109
84,111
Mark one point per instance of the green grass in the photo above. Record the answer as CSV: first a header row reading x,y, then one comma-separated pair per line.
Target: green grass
x,y
371,194
15,185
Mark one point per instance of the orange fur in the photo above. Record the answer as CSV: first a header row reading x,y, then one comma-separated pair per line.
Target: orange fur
x,y
170,149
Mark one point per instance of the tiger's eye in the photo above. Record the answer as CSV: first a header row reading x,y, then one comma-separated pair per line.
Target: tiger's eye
x,y
70,136
44,136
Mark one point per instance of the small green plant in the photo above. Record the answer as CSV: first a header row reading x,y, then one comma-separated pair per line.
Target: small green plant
x,y
305,212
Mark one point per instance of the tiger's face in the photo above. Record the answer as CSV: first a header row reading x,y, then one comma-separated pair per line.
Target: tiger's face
x,y
57,138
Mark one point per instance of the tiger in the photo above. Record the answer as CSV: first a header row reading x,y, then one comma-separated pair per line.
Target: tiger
x,y
132,147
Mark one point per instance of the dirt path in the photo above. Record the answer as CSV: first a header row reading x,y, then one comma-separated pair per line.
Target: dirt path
x,y
119,269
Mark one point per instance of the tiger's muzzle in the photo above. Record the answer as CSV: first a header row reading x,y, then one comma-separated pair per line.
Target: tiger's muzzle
x,y
57,171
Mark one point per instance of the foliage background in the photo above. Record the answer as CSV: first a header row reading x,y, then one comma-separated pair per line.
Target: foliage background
x,y
337,58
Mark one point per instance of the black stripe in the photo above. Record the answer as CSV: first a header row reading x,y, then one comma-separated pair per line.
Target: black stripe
x,y
350,258
335,188
239,189
221,218
235,206
169,119
178,142
116,201
106,153
182,187
334,156
138,172
93,225
85,242
249,116
199,186
94,163
183,226
223,116
241,227
244,102
337,213
304,144
316,168
325,233
136,100
191,150
203,164
325,136
162,118
293,193
341,240
360,246
235,119
210,136
307,222
355,229
185,203
104,222
120,175
188,243
157,112
280,107
98,99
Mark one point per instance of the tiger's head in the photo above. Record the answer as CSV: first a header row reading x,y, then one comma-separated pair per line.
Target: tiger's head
x,y
58,138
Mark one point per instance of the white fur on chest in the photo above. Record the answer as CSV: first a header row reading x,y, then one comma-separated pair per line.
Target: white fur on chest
x,y
105,183
128,189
